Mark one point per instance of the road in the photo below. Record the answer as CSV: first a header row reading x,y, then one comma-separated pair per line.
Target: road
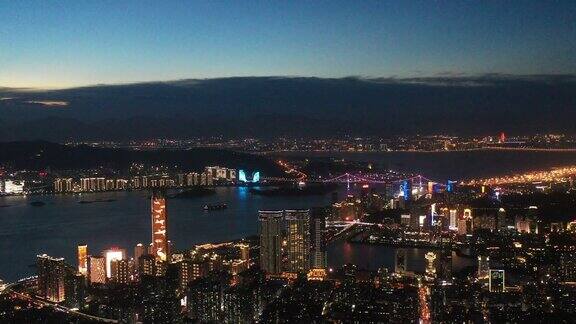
x,y
45,303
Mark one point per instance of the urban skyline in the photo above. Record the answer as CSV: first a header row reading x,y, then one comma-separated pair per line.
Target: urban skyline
x,y
288,162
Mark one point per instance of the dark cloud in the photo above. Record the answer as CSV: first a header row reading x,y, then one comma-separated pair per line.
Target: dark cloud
x,y
449,103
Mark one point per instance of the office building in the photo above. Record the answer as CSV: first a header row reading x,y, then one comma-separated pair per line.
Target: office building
x,y
271,223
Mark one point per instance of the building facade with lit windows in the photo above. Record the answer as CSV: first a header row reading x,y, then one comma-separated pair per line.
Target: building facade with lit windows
x,y
298,238
317,238
271,223
97,269
159,226
51,278
111,255
83,259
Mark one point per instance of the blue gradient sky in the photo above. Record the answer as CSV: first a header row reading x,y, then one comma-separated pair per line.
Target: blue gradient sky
x,y
70,43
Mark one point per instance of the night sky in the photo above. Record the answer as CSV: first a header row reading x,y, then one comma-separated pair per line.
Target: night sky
x,y
72,43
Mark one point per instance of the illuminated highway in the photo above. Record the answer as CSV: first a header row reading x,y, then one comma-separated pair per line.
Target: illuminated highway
x,y
39,302
553,175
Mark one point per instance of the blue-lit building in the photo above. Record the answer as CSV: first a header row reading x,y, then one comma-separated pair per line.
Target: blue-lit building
x,y
406,189
242,177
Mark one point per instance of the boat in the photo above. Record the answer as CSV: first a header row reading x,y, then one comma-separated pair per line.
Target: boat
x,y
215,207
37,203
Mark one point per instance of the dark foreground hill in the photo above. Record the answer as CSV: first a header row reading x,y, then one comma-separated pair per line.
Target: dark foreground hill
x,y
43,155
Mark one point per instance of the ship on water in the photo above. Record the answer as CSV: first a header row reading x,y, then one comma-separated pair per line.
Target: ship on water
x,y
209,207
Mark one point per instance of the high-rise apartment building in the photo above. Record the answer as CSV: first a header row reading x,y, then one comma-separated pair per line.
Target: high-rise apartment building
x,y
271,223
121,270
317,237
298,237
97,269
110,255
51,278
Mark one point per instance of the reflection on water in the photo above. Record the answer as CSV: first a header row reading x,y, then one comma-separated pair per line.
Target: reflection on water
x,y
373,257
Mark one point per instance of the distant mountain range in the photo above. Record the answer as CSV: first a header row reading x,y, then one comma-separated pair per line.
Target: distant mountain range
x,y
293,106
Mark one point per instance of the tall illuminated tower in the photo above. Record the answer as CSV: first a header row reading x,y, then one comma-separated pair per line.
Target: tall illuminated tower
x,y
271,240
83,259
298,222
159,226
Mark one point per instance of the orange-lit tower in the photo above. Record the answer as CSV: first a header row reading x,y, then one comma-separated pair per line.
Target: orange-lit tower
x,y
159,226
83,259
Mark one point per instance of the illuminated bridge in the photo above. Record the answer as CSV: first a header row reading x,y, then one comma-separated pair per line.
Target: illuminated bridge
x,y
364,178
374,178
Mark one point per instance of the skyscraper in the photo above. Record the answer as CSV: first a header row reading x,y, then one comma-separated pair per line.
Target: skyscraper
x,y
51,278
298,222
83,259
110,255
159,226
317,237
97,266
271,240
